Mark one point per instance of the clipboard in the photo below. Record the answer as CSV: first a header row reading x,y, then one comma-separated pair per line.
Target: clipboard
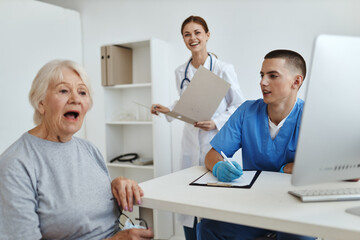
x,y
201,97
209,180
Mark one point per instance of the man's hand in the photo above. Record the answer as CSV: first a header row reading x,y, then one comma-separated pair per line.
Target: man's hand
x,y
225,172
125,191
289,168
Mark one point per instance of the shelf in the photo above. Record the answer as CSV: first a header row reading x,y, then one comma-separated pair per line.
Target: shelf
x,y
134,85
130,127
129,123
130,165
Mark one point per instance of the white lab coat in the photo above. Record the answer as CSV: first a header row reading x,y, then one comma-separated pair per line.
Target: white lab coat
x,y
195,142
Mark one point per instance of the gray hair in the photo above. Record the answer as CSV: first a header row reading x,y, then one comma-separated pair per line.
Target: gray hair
x,y
52,71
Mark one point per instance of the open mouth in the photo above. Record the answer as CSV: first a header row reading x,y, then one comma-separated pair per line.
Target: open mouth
x,y
194,44
71,115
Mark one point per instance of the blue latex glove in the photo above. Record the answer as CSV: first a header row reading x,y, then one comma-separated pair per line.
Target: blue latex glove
x,y
225,172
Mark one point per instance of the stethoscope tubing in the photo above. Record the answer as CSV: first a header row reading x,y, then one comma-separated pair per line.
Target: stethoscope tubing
x,y
186,70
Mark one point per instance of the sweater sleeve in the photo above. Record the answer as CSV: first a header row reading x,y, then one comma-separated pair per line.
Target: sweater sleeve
x,y
18,201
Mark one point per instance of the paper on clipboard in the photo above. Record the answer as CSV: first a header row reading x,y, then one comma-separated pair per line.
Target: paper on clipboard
x,y
245,181
201,97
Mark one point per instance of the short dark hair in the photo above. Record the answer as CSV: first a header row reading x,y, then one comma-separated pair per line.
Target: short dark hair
x,y
291,57
196,19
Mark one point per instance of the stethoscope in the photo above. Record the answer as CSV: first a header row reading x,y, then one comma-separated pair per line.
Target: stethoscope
x,y
186,69
128,157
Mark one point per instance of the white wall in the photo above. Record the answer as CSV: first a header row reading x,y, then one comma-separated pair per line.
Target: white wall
x,y
242,32
31,34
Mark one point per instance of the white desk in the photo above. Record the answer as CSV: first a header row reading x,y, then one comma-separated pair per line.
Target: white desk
x,y
267,204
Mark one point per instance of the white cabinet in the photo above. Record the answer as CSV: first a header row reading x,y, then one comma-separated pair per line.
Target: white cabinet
x,y
130,128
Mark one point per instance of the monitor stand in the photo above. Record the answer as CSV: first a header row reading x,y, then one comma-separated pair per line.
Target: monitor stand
x,y
354,211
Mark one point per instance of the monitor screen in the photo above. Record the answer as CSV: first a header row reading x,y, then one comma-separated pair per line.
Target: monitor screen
x,y
329,141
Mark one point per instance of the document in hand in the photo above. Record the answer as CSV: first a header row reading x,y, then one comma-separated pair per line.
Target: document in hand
x,y
201,98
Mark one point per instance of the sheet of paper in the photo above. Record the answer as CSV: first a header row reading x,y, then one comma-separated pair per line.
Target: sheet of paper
x,y
210,179
142,105
201,97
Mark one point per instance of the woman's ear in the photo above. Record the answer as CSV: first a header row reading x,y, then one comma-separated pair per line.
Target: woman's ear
x,y
208,35
41,108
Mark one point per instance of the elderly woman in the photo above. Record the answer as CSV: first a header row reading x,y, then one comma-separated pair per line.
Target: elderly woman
x,y
54,185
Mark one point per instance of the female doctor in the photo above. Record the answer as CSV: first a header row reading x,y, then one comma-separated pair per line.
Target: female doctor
x,y
196,138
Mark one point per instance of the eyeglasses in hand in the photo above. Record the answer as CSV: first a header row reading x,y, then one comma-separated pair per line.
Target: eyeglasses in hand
x,y
125,222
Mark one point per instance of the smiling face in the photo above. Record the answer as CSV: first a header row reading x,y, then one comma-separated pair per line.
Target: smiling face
x,y
64,107
195,37
279,82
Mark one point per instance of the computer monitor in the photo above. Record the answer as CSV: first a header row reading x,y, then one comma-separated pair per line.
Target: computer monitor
x,y
328,147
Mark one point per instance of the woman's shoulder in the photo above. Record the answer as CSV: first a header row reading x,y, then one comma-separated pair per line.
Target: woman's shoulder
x,y
89,146
86,143
223,65
93,151
181,68
17,146
16,155
225,70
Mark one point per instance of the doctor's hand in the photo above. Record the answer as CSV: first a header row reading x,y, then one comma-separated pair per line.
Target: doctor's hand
x,y
156,108
205,125
126,191
225,172
133,234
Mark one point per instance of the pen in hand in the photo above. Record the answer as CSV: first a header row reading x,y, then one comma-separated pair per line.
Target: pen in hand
x,y
226,172
226,159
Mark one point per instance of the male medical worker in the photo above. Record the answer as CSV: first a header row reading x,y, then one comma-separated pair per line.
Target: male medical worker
x,y
267,131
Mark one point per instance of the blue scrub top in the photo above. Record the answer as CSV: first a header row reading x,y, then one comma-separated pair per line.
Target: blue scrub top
x,y
248,128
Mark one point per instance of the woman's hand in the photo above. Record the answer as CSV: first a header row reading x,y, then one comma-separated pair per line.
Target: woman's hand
x,y
205,125
125,191
133,234
156,108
